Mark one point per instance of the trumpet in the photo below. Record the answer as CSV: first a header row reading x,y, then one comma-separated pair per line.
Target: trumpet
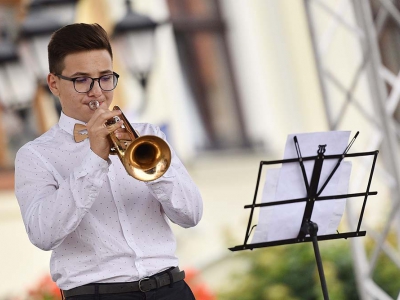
x,y
146,157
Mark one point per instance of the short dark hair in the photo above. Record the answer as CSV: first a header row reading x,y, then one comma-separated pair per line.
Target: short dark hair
x,y
75,38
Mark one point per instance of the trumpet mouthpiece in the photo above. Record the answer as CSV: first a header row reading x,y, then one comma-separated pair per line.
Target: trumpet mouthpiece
x,y
94,104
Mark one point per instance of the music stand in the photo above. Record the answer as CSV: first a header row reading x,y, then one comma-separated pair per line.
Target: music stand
x,y
308,229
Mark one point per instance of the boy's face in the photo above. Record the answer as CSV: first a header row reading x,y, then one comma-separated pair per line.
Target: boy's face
x,y
94,63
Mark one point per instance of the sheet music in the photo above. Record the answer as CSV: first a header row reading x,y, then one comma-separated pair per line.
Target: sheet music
x,y
283,221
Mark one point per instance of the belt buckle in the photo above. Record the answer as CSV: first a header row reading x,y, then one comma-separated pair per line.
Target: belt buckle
x,y
140,284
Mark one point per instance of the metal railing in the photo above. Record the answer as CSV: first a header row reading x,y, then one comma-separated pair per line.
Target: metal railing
x,y
363,93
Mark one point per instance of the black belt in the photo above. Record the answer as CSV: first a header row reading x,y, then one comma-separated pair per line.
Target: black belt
x,y
145,284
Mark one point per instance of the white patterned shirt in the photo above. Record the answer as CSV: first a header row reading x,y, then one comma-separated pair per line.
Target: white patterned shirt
x,y
101,224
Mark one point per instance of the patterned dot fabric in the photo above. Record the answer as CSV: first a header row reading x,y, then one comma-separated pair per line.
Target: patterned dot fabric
x,y
101,224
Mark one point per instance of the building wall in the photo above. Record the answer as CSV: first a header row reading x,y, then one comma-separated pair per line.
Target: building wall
x,y
274,62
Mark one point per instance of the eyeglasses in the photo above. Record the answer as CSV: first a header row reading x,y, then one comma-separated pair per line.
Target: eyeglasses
x,y
84,84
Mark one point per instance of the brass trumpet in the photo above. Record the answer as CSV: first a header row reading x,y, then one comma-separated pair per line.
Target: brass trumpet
x,y
146,157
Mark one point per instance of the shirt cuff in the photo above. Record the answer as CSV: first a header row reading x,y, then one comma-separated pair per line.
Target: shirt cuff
x,y
161,185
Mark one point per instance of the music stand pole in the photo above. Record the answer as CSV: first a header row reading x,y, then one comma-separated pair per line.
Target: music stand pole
x,y
311,228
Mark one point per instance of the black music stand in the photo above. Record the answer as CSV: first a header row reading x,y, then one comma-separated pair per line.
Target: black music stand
x,y
308,229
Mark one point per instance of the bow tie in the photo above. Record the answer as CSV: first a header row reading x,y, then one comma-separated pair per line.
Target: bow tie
x,y
80,133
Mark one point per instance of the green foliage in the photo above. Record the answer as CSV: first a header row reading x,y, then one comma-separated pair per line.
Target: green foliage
x,y
290,272
386,275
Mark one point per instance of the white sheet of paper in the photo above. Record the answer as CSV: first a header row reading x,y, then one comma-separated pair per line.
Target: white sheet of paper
x,y
283,221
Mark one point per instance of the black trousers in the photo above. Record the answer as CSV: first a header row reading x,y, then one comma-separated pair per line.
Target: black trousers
x,y
179,291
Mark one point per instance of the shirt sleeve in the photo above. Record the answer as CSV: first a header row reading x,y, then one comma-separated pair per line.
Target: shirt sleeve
x,y
177,192
52,207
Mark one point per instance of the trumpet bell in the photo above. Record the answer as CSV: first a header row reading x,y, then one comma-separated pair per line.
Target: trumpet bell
x,y
147,158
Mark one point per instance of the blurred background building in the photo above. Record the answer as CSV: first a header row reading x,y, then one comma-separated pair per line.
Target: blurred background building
x,y
227,81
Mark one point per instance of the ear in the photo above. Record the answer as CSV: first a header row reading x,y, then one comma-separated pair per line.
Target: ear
x,y
52,82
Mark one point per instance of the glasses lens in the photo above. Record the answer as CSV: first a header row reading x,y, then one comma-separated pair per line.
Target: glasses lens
x,y
82,84
108,82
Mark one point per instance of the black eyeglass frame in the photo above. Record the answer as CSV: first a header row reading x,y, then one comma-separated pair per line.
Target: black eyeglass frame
x,y
73,79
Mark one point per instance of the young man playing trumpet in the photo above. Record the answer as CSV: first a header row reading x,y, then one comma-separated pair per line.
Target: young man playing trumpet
x,y
108,232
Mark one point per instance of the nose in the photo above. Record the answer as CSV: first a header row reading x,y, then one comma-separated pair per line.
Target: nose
x,y
95,89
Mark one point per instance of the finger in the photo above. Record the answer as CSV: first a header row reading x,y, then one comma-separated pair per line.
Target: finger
x,y
121,131
101,116
113,127
104,105
123,136
100,128
104,110
101,132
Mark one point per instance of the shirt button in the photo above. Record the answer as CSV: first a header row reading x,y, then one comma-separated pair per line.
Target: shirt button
x,y
121,210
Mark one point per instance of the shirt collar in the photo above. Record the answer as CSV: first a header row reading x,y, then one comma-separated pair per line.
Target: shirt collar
x,y
67,123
